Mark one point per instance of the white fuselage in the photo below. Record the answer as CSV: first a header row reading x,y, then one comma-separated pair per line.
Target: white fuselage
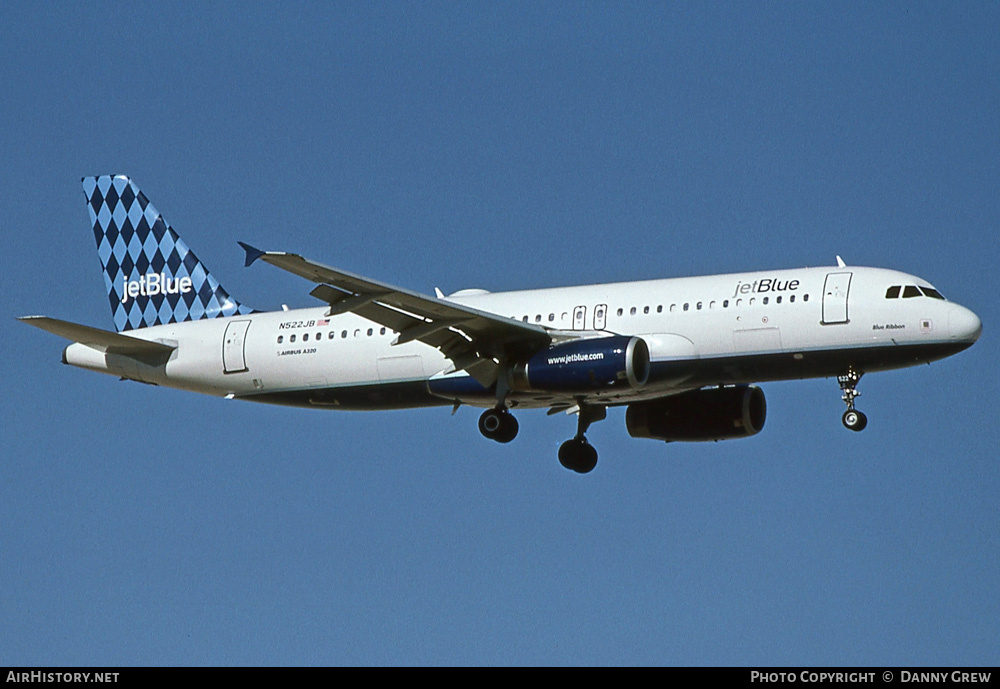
x,y
712,330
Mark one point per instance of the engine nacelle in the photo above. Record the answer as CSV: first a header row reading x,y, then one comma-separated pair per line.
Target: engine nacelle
x,y
700,415
585,365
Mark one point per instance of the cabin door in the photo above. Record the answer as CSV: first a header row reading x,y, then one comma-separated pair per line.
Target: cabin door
x,y
835,298
234,346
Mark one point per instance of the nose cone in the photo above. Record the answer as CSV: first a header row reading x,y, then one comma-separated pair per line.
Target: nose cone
x,y
964,325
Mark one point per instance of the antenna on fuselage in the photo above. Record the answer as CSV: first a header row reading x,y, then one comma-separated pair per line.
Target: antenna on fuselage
x,y
840,262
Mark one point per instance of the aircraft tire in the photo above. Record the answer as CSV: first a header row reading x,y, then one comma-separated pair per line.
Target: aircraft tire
x,y
854,420
499,425
576,454
508,428
490,422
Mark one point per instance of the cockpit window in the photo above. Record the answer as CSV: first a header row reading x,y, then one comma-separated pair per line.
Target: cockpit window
x,y
910,291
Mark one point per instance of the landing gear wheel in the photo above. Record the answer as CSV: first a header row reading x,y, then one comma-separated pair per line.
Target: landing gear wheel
x,y
498,425
854,420
578,455
490,422
508,429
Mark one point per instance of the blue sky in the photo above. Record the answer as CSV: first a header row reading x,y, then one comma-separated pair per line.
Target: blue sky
x,y
500,146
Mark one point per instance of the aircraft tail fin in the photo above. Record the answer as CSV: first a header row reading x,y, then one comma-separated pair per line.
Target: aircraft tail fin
x,y
151,275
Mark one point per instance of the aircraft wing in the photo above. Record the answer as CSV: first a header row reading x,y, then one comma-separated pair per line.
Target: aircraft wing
x,y
475,341
102,340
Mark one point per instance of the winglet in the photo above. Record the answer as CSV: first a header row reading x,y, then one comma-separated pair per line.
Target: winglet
x,y
253,253
840,262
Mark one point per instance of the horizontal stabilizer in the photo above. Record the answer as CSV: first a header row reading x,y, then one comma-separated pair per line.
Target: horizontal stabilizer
x,y
102,340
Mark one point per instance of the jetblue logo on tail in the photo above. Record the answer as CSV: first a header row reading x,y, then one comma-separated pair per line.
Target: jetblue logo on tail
x,y
151,275
152,284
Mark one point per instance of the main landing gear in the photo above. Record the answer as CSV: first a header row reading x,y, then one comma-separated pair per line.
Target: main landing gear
x,y
498,424
852,418
576,454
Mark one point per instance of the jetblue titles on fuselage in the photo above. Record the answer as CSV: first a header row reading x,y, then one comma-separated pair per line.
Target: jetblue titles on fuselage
x,y
766,285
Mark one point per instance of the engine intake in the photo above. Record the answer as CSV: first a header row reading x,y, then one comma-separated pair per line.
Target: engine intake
x,y
585,365
700,415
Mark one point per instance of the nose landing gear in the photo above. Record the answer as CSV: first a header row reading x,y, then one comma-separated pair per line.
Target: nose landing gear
x,y
852,419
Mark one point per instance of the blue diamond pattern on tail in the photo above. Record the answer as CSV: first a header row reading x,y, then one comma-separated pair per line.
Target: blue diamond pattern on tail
x,y
151,275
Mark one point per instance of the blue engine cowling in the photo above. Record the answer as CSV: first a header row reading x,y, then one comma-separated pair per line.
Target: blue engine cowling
x,y
700,415
585,365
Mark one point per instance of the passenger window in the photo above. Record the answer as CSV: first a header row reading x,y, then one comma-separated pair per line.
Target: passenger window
x,y
381,331
659,308
319,336
525,319
292,338
892,292
645,309
344,334
552,317
369,332
765,300
281,338
305,337
686,306
805,297
619,312
792,298
699,306
911,291
632,311
725,303
331,335
778,300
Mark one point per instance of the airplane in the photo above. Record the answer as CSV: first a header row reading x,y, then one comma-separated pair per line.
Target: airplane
x,y
683,355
